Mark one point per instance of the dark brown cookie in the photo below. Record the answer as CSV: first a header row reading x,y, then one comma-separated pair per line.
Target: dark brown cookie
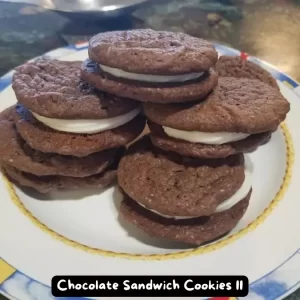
x,y
53,89
46,184
16,153
171,93
7,114
161,140
178,186
237,105
195,232
147,51
47,140
235,66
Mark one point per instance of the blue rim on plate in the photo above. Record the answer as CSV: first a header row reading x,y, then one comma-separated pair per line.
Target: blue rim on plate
x,y
274,285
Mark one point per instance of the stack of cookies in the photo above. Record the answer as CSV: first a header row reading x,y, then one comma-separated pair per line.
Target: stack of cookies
x,y
62,133
187,180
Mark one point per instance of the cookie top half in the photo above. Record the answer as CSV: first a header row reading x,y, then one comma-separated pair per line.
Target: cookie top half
x,y
236,105
175,185
53,89
235,66
147,51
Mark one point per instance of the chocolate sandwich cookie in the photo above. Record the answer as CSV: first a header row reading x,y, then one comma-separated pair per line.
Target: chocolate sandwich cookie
x,y
146,51
180,187
46,184
160,139
54,89
238,116
235,66
148,65
15,152
149,92
196,231
45,139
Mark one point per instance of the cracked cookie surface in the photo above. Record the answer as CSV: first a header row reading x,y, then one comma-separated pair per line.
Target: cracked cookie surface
x,y
237,105
54,89
147,51
178,186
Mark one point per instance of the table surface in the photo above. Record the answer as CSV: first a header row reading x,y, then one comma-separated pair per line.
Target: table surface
x,y
267,29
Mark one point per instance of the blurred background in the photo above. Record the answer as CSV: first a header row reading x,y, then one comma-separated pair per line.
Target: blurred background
x,y
264,28
268,29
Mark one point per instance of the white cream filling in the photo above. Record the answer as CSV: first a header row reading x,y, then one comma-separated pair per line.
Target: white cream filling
x,y
87,126
150,78
239,195
211,138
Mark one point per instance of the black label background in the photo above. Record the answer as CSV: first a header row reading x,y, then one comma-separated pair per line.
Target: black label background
x,y
182,292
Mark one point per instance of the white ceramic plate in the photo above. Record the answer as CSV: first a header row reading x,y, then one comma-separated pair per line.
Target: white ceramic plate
x,y
40,239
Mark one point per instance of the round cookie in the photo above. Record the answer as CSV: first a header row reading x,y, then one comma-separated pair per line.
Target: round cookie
x,y
235,66
147,92
147,51
178,186
46,184
14,152
47,140
53,89
161,140
237,105
195,232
